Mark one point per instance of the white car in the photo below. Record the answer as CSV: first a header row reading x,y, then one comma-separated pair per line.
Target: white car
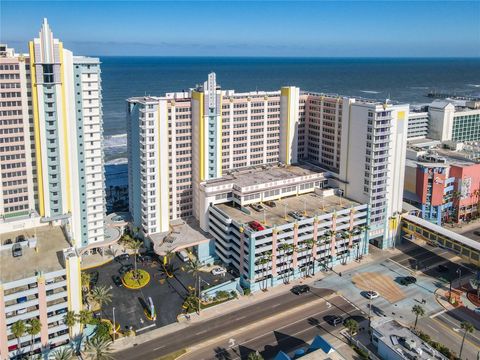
x,y
219,271
371,294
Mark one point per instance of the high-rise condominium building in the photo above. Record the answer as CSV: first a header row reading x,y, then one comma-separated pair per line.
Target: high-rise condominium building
x,y
188,138
53,160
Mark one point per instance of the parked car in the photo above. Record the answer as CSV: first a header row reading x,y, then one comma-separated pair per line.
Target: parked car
x,y
61,311
22,299
117,281
7,242
93,278
300,289
477,310
218,271
123,257
334,320
17,250
255,225
408,280
183,256
296,215
270,203
442,268
125,268
477,232
20,238
371,294
257,207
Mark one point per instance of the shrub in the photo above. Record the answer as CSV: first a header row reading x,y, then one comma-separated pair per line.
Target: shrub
x,y
103,330
247,291
131,281
222,294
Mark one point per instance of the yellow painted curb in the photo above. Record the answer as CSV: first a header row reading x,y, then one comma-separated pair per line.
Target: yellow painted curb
x,y
95,266
136,287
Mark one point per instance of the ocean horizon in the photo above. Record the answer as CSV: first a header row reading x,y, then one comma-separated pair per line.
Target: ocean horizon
x,y
404,80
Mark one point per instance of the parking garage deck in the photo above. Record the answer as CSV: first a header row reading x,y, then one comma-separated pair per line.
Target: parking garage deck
x,y
307,205
46,257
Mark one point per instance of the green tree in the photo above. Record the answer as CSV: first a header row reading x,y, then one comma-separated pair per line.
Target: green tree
x,y
70,319
85,280
135,245
98,349
34,326
101,295
352,326
309,245
283,248
467,328
85,317
254,356
18,330
63,353
418,311
193,267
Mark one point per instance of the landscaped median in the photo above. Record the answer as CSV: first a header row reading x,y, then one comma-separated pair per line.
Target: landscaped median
x,y
135,280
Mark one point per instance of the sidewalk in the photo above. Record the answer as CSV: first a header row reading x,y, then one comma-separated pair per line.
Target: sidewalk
x,y
244,301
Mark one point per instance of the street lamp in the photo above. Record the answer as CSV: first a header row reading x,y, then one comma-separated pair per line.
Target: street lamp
x,y
114,327
459,273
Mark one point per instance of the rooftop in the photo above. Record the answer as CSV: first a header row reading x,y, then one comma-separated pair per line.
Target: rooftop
x,y
402,341
309,204
256,175
47,256
183,234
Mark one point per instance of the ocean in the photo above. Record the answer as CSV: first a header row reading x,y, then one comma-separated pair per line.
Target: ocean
x,y
401,80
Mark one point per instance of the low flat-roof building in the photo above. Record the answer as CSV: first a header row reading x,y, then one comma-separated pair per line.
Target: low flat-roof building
x,y
39,278
396,342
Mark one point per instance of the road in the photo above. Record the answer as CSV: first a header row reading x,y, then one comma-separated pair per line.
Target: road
x,y
286,333
203,331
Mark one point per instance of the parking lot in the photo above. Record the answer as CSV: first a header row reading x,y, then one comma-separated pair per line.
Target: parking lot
x,y
167,293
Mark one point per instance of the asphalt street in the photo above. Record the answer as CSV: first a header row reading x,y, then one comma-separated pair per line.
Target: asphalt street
x,y
210,329
288,333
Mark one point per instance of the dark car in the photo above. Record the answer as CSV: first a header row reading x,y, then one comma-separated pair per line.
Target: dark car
x,y
270,203
125,268
7,242
17,250
442,268
408,280
477,232
20,238
117,281
334,320
300,289
93,278
123,257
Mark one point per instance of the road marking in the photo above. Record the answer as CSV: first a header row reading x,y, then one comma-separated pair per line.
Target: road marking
x,y
241,317
158,348
146,327
431,327
201,332
456,334
438,313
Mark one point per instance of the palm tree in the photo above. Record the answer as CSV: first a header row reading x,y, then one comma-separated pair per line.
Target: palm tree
x,y
344,235
135,245
322,240
283,248
332,235
193,267
101,295
85,280
292,250
309,244
98,349
418,311
467,328
70,319
63,353
352,326
255,356
33,329
85,317
18,330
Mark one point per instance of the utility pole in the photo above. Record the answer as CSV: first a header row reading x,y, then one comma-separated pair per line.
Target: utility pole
x,y
114,327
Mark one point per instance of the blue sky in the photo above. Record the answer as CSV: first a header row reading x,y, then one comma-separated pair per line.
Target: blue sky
x,y
251,28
